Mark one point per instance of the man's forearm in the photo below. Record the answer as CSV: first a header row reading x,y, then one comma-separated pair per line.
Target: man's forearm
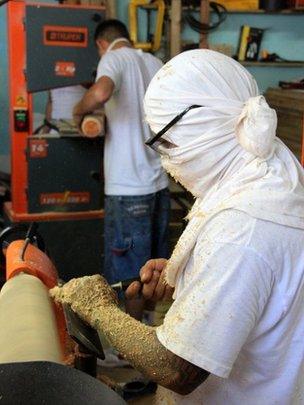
x,y
139,344
96,96
95,302
136,342
88,104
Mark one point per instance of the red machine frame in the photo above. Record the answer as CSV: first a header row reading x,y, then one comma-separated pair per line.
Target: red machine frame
x,y
20,99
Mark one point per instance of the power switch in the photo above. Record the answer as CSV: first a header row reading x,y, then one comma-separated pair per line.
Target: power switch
x,y
21,120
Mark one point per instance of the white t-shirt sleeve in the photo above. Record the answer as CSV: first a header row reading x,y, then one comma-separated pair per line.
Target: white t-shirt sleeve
x,y
217,307
110,66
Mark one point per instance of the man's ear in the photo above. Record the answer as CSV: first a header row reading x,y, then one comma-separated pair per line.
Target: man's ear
x,y
102,45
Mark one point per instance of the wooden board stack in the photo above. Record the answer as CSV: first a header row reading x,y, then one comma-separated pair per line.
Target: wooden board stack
x,y
289,105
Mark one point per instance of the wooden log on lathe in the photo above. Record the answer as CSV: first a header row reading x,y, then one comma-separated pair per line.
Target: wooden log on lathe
x,y
28,328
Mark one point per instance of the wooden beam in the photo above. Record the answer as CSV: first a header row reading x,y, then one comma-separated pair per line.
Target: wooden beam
x,y
73,2
205,17
110,5
175,27
96,2
111,11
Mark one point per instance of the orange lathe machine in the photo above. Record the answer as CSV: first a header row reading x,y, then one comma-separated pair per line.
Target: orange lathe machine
x,y
34,334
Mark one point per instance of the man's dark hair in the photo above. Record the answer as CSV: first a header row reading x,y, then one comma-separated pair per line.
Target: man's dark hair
x,y
111,30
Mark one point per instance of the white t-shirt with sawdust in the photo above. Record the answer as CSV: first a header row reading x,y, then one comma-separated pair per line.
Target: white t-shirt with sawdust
x,y
130,167
239,314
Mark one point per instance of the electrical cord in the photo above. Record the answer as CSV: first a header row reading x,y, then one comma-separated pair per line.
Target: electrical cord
x,y
202,28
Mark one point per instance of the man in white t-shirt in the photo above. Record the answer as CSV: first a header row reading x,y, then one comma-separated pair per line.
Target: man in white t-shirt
x,y
234,334
136,194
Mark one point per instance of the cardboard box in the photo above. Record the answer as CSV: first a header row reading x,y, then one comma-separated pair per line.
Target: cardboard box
x,y
239,5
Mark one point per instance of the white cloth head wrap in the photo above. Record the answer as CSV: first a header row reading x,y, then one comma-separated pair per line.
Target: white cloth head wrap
x,y
227,153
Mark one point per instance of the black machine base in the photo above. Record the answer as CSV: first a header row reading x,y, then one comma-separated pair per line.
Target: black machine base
x,y
41,382
74,246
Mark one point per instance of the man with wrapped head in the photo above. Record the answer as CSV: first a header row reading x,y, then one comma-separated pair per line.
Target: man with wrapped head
x,y
234,334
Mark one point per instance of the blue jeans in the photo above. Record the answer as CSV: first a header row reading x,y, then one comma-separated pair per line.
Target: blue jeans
x,y
136,230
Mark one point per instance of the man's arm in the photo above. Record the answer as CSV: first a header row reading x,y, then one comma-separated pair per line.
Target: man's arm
x,y
138,343
93,300
94,98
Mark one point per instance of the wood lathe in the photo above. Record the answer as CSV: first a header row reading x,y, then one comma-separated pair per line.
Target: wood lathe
x,y
33,335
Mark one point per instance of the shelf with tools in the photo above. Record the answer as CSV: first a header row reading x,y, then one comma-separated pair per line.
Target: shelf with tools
x,y
273,64
247,16
268,12
176,10
259,11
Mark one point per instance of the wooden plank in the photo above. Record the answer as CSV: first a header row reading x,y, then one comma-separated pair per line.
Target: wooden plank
x,y
295,147
291,133
296,128
287,11
289,105
175,27
73,2
286,101
97,2
283,94
289,113
109,4
111,11
87,2
290,120
205,17
273,64
277,12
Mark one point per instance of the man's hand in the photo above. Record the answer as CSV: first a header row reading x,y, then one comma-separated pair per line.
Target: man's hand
x,y
153,282
94,300
94,99
85,295
77,117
